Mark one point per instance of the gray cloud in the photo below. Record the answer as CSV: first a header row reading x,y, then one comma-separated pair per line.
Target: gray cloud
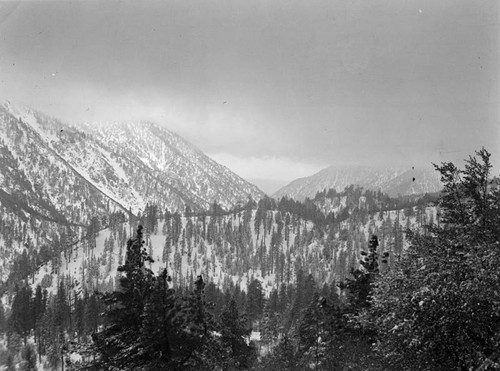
x,y
320,82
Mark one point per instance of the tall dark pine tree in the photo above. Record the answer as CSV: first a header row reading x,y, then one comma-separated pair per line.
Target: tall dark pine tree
x,y
255,300
359,287
91,317
156,334
62,309
234,330
309,331
39,303
177,332
118,344
198,348
21,318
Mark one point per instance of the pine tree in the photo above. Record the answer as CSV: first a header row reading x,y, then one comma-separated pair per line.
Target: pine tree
x,y
21,318
157,336
62,309
438,307
270,326
255,300
310,334
198,348
234,331
90,314
283,356
117,344
151,327
39,303
78,314
47,331
359,287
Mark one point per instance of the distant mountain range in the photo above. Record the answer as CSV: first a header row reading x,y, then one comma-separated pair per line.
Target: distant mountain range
x,y
69,174
393,181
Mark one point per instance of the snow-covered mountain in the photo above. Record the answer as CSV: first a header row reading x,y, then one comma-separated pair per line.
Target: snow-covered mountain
x,y
65,193
57,179
393,181
60,185
56,167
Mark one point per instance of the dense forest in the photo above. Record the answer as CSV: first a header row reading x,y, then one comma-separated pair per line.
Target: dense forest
x,y
432,304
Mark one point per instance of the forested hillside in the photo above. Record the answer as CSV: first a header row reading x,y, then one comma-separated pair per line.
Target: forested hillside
x,y
253,253
329,283
267,240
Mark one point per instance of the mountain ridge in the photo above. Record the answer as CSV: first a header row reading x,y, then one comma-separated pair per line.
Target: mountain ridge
x,y
395,181
112,158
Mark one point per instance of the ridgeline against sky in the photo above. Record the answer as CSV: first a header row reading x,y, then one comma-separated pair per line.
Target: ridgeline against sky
x,y
274,90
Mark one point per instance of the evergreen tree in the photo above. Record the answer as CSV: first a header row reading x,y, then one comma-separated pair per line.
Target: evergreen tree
x,y
39,303
151,327
177,332
118,344
310,333
283,356
270,326
91,314
255,300
78,314
157,337
234,334
62,308
359,287
438,307
21,318
198,348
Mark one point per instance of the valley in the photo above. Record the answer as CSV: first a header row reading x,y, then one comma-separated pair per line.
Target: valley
x,y
78,202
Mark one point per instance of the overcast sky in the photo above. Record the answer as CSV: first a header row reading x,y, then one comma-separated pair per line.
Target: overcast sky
x,y
275,90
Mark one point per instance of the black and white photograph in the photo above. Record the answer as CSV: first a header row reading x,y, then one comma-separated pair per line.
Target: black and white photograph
x,y
255,185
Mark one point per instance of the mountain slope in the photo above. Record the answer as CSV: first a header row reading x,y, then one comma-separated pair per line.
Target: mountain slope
x,y
393,181
127,164
56,180
234,248
171,164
